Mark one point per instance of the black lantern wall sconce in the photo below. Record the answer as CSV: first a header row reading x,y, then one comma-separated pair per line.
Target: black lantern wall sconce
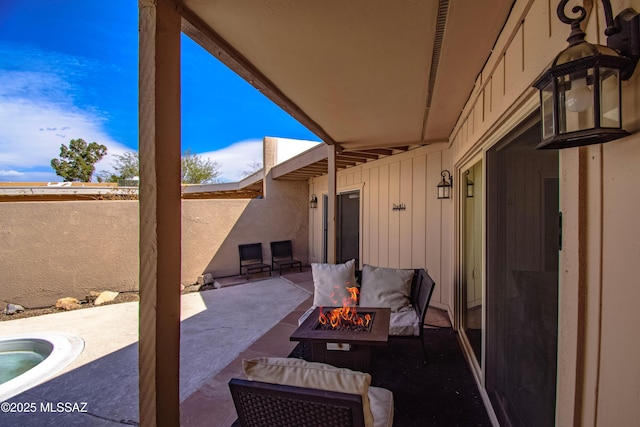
x,y
313,203
469,184
580,95
444,187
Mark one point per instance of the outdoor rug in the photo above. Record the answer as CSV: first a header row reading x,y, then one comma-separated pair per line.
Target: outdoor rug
x,y
441,392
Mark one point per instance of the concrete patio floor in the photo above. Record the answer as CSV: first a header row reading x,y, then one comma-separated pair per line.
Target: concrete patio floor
x,y
219,328
105,374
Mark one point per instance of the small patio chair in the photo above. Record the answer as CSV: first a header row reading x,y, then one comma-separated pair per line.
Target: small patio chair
x,y
265,405
251,258
282,256
421,291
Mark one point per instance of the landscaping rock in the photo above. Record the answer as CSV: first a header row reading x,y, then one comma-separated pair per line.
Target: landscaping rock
x,y
68,303
92,296
106,296
190,288
13,309
205,279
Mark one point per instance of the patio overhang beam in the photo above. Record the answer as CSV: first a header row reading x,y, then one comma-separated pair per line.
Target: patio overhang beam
x,y
323,165
305,160
202,34
340,161
401,145
246,194
253,180
315,162
376,151
317,170
361,157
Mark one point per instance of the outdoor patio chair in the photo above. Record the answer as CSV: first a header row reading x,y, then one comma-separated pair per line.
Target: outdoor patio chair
x,y
251,258
421,291
282,256
261,404
402,322
283,391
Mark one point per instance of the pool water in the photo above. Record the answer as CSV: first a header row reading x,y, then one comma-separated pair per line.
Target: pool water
x,y
15,363
27,360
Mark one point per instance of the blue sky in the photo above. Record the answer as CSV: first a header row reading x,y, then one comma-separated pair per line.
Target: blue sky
x,y
68,70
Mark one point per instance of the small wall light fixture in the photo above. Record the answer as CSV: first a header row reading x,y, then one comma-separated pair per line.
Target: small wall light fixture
x,y
580,94
444,188
469,185
313,203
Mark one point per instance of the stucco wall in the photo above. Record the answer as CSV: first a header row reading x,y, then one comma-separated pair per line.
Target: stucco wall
x,y
50,250
599,286
213,229
418,237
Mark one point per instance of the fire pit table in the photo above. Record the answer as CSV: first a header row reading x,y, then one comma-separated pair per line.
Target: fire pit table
x,y
344,348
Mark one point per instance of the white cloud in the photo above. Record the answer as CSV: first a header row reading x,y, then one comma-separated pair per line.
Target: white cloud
x,y
236,158
36,119
30,176
10,173
40,94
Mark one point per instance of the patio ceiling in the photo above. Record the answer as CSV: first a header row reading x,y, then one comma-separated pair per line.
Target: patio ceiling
x,y
363,74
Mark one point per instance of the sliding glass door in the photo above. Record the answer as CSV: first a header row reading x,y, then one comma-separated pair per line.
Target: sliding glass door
x,y
471,180
522,279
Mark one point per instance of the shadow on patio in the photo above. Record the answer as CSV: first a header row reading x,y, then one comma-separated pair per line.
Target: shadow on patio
x,y
439,393
216,326
442,392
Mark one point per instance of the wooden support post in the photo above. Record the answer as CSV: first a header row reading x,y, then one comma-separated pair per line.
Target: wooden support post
x,y
160,210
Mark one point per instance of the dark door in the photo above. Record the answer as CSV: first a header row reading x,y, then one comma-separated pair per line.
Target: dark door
x,y
325,227
348,227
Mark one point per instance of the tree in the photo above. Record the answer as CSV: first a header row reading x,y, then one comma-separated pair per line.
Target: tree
x,y
254,166
127,166
196,170
77,162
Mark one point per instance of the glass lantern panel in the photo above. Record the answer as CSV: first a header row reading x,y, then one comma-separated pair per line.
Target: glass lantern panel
x,y
609,98
546,101
575,99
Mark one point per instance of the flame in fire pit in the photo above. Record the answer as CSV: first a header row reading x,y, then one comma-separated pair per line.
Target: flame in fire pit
x,y
347,315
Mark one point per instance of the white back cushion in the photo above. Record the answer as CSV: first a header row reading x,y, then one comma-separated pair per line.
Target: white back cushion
x,y
330,282
386,287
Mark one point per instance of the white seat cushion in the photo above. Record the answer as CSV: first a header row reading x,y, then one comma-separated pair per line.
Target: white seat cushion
x,y
306,314
405,323
381,402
